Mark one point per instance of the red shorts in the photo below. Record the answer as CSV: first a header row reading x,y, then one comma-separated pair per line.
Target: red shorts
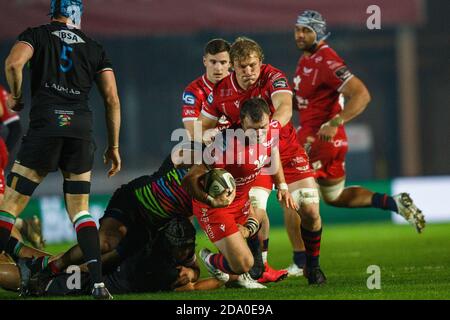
x,y
294,159
3,164
219,223
327,158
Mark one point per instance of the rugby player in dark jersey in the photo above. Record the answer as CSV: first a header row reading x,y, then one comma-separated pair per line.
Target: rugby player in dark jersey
x,y
167,263
64,64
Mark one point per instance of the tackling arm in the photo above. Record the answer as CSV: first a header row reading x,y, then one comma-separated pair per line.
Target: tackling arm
x,y
282,102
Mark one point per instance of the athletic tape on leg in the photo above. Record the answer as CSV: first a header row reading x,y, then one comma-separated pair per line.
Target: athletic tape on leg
x,y
21,184
258,198
76,187
331,193
305,196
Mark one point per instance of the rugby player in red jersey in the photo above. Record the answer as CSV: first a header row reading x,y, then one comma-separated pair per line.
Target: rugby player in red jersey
x,y
252,78
321,84
216,59
220,218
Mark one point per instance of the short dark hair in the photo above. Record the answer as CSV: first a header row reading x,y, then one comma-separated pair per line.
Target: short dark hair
x,y
254,108
216,46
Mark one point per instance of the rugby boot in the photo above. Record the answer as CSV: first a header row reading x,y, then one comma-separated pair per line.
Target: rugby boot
x,y
245,281
216,273
408,210
272,275
294,270
315,276
100,292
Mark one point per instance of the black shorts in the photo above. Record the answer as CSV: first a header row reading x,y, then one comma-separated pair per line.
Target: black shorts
x,y
49,154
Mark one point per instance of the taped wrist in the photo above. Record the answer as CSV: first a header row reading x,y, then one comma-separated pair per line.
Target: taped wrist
x,y
252,225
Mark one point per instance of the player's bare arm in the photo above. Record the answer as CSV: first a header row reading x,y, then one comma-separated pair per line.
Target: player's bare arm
x,y
20,54
207,124
283,195
357,97
282,102
106,83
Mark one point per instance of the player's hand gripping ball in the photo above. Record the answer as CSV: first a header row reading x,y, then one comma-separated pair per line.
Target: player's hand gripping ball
x,y
217,181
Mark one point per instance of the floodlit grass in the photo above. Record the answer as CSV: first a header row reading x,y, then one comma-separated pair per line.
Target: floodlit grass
x,y
412,266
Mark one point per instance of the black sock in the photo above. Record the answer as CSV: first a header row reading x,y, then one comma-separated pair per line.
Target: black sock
x,y
299,258
383,201
312,244
87,236
6,224
13,248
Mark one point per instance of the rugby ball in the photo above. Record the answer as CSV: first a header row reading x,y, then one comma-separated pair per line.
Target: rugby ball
x,y
217,181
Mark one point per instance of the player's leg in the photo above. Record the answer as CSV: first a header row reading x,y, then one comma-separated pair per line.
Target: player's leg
x,y
21,183
259,195
292,222
306,195
76,161
335,193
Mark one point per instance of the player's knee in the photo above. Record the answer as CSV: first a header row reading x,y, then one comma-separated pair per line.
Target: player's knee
x,y
306,197
244,264
332,193
21,184
76,187
258,198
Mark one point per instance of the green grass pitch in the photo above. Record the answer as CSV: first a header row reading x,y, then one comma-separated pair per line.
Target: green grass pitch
x,y
412,266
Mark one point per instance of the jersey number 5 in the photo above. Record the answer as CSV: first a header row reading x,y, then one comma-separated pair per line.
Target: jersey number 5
x,y
65,67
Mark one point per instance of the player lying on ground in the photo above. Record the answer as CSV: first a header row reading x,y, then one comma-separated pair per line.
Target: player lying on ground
x,y
221,220
134,213
167,263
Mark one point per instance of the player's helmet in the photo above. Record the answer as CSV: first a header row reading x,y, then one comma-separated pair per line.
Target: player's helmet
x,y
72,9
314,21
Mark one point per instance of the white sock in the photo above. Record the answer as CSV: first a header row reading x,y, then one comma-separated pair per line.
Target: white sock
x,y
264,256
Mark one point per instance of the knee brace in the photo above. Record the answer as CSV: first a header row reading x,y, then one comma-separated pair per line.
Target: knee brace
x,y
305,196
331,193
21,184
258,198
77,187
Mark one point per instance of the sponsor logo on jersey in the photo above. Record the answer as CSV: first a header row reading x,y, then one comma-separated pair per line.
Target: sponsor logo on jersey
x,y
222,227
190,112
210,98
188,98
317,165
64,120
236,104
318,59
260,162
62,89
343,73
280,83
68,37
307,70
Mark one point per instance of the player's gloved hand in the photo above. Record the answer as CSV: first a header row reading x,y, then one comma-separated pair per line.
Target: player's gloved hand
x,y
285,199
15,103
224,199
112,154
